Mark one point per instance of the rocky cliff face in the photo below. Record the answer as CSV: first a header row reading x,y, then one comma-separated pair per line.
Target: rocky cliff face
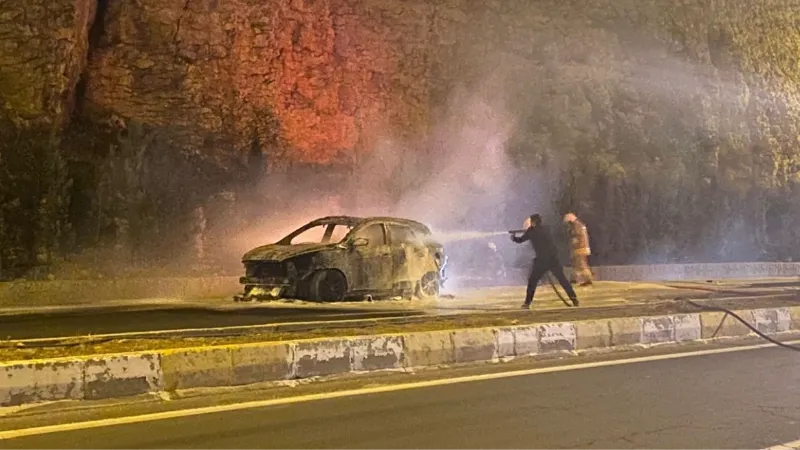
x,y
43,48
320,71
646,108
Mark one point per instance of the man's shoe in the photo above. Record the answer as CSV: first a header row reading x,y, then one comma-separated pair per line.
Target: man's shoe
x,y
587,283
526,306
575,302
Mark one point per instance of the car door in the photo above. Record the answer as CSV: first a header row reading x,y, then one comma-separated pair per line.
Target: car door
x,y
373,259
407,250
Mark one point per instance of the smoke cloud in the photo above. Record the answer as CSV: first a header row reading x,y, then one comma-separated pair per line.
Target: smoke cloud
x,y
464,171
458,179
459,176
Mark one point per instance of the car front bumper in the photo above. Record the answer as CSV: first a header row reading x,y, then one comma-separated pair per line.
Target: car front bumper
x,y
265,288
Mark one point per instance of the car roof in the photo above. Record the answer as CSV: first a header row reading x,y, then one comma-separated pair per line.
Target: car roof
x,y
343,220
355,221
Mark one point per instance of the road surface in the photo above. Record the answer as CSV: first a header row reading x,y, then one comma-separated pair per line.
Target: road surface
x,y
81,323
743,399
174,314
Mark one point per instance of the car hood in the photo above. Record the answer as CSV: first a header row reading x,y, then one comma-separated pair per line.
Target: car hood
x,y
277,252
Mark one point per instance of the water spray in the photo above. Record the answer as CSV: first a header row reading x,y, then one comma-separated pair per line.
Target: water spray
x,y
454,236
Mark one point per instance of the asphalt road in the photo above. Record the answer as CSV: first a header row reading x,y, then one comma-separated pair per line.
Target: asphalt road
x,y
748,399
81,323
135,317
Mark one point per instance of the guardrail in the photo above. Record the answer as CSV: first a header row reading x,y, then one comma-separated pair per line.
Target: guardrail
x,y
658,272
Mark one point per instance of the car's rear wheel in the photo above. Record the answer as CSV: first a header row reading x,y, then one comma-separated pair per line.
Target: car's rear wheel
x,y
328,286
428,286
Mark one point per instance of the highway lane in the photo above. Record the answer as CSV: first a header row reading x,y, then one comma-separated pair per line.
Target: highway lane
x,y
746,399
113,320
226,313
146,315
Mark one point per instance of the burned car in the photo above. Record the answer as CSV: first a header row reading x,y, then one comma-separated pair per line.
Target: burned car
x,y
335,258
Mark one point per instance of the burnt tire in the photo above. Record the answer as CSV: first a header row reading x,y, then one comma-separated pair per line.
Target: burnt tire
x,y
328,286
428,286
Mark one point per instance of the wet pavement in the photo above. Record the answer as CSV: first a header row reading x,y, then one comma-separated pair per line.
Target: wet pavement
x,y
178,314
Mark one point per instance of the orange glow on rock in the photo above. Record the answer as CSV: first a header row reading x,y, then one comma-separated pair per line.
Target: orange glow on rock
x,y
330,72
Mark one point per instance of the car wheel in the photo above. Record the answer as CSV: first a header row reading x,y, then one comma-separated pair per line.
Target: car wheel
x,y
328,286
428,286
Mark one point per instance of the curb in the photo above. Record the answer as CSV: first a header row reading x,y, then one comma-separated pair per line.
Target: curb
x,y
110,376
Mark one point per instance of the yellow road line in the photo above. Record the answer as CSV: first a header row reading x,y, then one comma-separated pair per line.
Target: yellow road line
x,y
14,434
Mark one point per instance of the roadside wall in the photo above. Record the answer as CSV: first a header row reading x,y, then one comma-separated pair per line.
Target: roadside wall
x,y
110,376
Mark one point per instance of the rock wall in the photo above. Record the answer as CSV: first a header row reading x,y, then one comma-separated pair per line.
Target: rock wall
x,y
643,109
43,48
321,71
325,73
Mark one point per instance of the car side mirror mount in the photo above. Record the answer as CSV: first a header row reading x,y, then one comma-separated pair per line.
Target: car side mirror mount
x,y
360,242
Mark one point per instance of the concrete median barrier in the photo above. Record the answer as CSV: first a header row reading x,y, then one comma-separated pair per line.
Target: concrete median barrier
x,y
474,345
512,342
122,375
772,320
322,357
719,324
658,330
40,381
625,331
557,337
377,353
109,376
526,340
687,327
504,342
257,363
592,334
433,348
200,367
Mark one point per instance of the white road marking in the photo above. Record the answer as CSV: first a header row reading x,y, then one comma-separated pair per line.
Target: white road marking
x,y
794,445
60,428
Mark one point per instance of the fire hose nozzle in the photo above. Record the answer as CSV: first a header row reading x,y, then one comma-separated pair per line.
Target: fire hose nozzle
x,y
516,231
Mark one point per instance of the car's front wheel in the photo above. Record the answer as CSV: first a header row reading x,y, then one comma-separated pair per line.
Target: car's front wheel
x,y
428,286
328,286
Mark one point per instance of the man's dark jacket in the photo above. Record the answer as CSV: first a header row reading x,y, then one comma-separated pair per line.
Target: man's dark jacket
x,y
542,242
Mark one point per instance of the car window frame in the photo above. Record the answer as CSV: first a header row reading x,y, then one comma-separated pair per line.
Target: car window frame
x,y
287,240
409,229
354,233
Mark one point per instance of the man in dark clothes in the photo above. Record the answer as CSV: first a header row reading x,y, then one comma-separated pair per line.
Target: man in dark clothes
x,y
546,259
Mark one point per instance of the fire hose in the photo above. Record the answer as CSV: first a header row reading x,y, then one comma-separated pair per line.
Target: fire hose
x,y
752,328
555,289
727,312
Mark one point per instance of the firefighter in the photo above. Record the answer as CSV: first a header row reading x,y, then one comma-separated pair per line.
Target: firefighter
x,y
579,250
546,259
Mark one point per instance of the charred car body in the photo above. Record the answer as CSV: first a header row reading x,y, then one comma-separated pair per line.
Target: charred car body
x,y
334,258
